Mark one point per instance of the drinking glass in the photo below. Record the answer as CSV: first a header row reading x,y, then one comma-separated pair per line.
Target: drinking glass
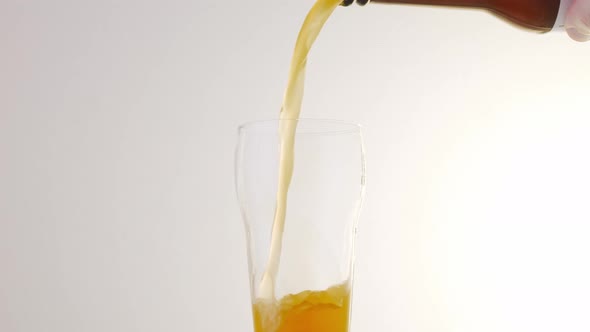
x,y
312,288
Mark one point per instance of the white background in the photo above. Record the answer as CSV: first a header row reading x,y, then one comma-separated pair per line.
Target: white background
x,y
117,130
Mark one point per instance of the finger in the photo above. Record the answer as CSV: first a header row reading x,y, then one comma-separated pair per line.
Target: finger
x,y
577,22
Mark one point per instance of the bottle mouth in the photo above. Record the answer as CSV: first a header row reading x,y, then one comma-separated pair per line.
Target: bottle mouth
x,y
347,3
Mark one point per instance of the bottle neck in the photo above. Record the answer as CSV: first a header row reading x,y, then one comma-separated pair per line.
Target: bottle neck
x,y
540,15
454,3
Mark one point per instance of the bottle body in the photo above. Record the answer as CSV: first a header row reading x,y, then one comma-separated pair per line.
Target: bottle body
x,y
539,15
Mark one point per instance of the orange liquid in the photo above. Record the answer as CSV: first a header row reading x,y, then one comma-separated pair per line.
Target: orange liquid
x,y
308,311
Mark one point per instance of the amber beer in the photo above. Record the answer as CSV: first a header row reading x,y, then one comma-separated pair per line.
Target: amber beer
x,y
539,15
308,311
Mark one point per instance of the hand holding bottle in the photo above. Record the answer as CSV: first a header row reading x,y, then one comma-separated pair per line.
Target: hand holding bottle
x,y
577,21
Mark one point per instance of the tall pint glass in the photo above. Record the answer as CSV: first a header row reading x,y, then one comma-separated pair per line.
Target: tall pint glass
x,y
313,284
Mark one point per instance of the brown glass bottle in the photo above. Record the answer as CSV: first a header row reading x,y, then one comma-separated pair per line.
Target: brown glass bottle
x,y
540,15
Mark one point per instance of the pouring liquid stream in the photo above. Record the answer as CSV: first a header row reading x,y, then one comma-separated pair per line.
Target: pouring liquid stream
x,y
315,20
325,310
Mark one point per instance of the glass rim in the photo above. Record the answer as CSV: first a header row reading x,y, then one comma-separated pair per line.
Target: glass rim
x,y
341,126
